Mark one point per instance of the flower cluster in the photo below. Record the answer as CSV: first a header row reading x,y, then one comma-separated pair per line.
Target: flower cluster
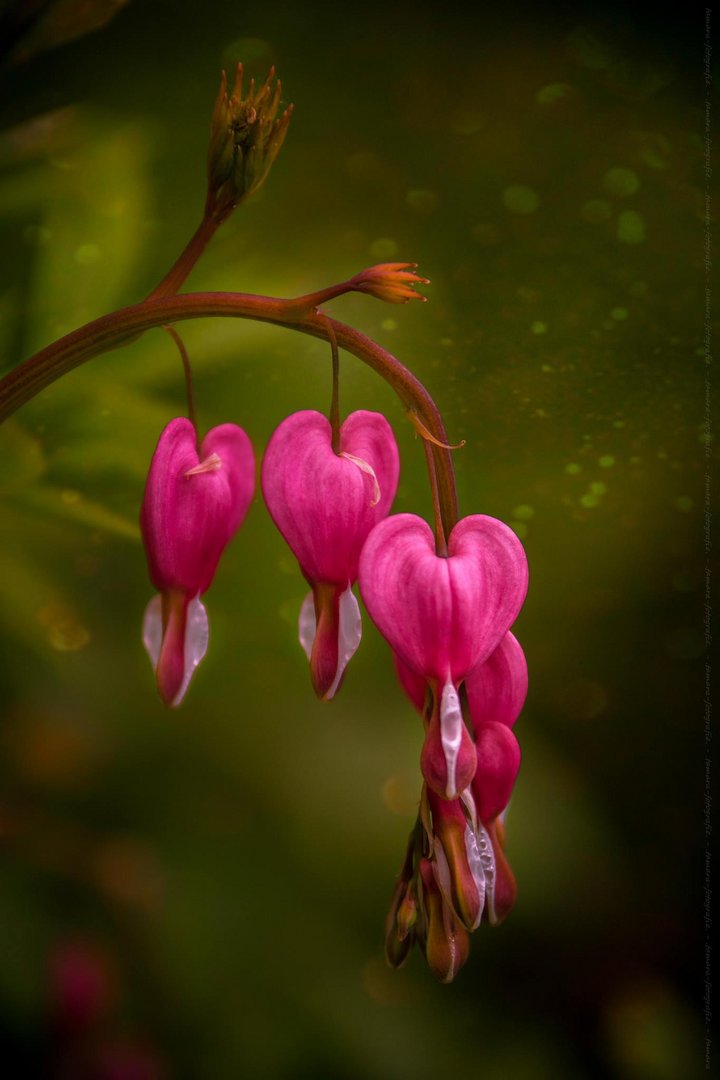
x,y
447,618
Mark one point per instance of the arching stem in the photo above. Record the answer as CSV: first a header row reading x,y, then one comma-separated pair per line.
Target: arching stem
x,y
120,327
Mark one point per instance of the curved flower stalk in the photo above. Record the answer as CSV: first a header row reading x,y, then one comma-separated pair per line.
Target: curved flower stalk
x,y
443,616
195,501
325,503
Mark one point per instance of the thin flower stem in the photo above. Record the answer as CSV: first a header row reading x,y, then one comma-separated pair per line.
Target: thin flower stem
x,y
440,540
181,268
192,416
123,326
335,401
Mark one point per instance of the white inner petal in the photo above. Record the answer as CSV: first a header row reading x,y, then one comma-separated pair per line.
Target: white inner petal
x,y
365,467
349,635
487,862
196,638
196,643
307,624
152,629
468,801
451,731
477,870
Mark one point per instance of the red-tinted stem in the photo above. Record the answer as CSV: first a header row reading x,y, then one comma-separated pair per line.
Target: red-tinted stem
x,y
122,326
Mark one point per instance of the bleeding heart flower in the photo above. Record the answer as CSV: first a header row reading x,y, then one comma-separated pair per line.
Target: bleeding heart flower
x,y
194,503
325,502
443,617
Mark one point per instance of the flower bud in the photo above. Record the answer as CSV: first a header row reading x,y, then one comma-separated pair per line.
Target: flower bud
x,y
502,898
498,761
447,944
458,870
391,282
245,139
400,920
448,758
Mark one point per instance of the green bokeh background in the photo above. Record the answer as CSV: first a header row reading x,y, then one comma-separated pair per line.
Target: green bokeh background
x,y
234,860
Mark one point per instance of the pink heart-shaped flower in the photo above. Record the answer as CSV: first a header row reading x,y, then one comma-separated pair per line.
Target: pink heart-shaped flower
x,y
443,615
326,502
194,503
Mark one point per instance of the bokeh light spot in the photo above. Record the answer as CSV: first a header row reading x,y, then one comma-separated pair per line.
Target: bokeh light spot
x,y
631,227
87,254
621,182
384,248
519,199
422,200
596,211
554,92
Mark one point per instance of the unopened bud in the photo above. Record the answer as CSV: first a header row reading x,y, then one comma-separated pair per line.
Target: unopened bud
x,y
458,870
447,944
245,139
391,282
400,920
504,894
498,761
407,915
448,759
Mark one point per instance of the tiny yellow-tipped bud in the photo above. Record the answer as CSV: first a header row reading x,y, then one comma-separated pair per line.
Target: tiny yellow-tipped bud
x,y
391,282
245,139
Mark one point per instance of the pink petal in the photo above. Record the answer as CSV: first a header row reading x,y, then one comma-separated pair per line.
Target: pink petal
x,y
498,761
497,688
325,504
415,686
502,896
347,631
443,616
189,515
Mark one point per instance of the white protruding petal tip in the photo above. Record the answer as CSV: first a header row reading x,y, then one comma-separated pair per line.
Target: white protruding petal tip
x,y
307,624
152,629
477,870
451,729
196,643
196,638
349,635
487,862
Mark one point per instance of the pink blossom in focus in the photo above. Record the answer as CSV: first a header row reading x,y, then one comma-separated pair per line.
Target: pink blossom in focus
x,y
195,501
325,502
443,616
